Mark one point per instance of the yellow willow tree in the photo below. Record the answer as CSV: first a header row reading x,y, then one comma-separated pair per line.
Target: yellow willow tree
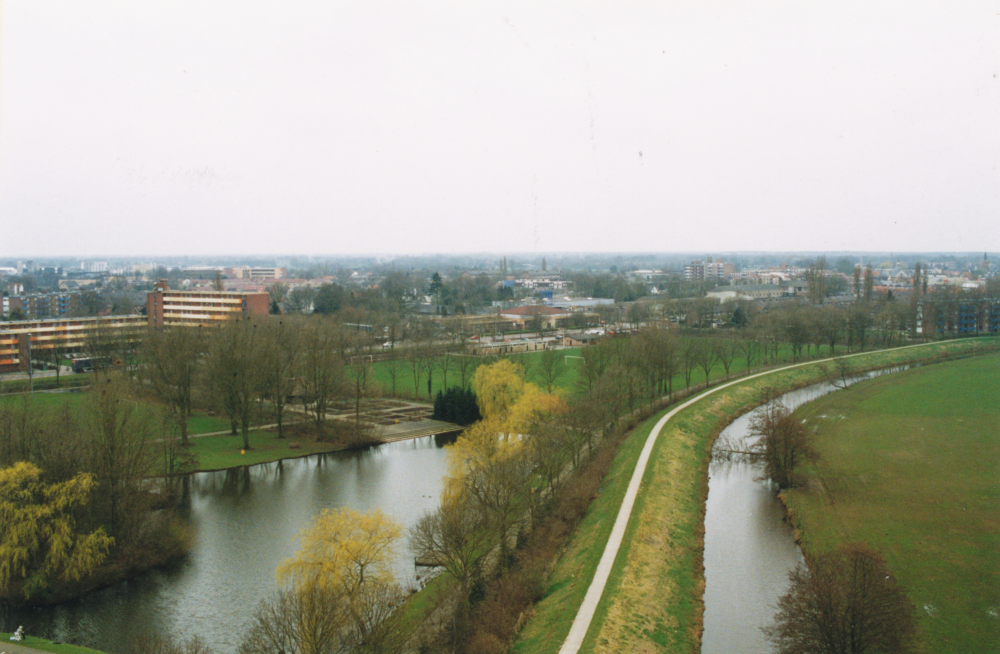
x,y
490,464
341,574
39,540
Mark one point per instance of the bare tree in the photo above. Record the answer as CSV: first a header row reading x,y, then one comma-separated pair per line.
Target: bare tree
x,y
776,440
322,371
359,378
689,357
170,363
552,365
749,346
311,620
725,352
119,430
283,355
236,371
454,537
707,356
846,602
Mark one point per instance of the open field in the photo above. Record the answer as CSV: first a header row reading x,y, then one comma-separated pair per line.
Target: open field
x,y
660,556
911,465
199,423
566,383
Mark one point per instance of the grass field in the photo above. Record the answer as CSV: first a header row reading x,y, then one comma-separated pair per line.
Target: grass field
x,y
566,383
653,601
404,376
200,423
43,645
911,465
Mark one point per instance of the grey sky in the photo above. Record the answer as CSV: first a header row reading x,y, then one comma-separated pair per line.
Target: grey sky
x,y
401,126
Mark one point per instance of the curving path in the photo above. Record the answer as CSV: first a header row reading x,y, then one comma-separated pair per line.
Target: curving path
x,y
585,615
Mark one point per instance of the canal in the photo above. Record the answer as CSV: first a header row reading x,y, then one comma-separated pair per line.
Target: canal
x,y
749,547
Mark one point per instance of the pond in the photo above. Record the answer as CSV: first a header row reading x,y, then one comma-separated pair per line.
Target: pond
x,y
246,521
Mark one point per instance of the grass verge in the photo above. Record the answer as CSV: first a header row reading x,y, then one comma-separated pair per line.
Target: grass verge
x,y
47,646
909,465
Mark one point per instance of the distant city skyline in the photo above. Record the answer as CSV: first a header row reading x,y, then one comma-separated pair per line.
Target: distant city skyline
x,y
387,128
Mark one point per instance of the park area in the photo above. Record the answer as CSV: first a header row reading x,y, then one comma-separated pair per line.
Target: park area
x,y
910,464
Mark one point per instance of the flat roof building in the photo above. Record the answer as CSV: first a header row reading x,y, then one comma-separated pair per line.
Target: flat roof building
x,y
40,337
166,307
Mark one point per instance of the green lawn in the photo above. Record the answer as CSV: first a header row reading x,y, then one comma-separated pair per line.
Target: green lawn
x,y
47,400
218,452
201,423
47,646
911,465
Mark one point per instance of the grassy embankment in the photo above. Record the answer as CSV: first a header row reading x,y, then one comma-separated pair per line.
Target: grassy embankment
x,y
653,601
911,465
43,645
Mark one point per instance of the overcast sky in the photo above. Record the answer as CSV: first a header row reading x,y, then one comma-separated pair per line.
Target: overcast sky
x,y
407,126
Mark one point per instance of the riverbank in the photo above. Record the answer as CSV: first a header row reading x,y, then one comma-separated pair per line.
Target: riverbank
x,y
909,466
660,555
169,541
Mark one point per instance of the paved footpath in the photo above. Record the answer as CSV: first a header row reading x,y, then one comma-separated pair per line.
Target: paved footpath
x,y
15,648
585,615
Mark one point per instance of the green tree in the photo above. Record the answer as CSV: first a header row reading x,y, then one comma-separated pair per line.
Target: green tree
x,y
41,542
329,299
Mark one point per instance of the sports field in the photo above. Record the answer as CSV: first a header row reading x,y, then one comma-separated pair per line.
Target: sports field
x,y
910,463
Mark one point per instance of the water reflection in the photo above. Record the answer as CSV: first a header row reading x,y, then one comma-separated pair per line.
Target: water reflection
x,y
246,521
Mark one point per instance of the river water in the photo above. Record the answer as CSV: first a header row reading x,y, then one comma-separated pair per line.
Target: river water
x,y
246,521
749,548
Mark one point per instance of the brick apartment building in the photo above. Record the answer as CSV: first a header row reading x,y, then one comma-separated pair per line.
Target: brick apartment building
x,y
165,307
